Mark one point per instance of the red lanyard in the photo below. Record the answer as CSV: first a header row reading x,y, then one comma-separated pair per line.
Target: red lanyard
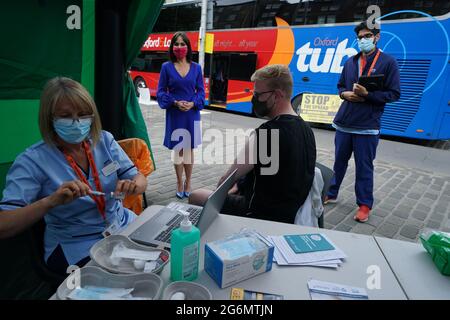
x,y
362,63
99,200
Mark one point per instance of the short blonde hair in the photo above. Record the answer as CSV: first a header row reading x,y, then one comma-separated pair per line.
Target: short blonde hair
x,y
58,90
278,77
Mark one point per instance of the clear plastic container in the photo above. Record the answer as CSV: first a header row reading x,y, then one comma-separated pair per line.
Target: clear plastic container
x,y
190,290
101,254
145,285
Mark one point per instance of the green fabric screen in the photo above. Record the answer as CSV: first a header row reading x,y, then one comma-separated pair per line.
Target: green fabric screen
x,y
142,16
36,46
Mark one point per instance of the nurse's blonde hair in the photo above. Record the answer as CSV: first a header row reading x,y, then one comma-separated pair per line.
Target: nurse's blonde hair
x,y
58,90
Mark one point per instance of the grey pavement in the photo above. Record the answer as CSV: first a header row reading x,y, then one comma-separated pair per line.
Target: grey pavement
x,y
412,182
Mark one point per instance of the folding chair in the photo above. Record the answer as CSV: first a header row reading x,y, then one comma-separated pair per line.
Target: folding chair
x,y
139,153
327,175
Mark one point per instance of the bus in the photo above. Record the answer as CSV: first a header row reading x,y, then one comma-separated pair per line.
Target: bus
x,y
314,39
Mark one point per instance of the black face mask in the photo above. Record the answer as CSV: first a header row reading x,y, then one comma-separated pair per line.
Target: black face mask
x,y
260,108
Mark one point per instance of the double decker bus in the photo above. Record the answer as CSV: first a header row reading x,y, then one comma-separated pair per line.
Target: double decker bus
x,y
314,39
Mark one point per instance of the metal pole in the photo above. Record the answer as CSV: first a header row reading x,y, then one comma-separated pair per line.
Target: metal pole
x,y
210,17
201,34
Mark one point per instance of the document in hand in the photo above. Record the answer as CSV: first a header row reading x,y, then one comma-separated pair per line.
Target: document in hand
x,y
321,290
326,255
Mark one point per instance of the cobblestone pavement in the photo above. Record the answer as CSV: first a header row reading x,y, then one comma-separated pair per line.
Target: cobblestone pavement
x,y
407,200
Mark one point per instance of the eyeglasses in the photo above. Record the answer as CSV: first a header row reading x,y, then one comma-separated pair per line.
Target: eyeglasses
x,y
70,120
258,94
365,36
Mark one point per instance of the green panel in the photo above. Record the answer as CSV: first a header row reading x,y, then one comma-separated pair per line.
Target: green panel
x,y
18,127
37,46
88,52
4,167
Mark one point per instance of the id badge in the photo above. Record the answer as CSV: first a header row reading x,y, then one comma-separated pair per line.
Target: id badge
x,y
112,228
110,168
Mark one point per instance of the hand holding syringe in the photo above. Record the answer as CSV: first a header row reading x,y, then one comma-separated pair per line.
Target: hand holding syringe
x,y
118,196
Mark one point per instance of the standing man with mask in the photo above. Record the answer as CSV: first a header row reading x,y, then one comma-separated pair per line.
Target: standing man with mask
x,y
357,122
278,182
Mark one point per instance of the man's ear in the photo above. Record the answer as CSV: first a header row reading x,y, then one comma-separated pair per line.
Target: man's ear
x,y
377,37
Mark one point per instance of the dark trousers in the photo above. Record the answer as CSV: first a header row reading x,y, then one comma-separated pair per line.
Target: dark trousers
x,y
57,261
364,149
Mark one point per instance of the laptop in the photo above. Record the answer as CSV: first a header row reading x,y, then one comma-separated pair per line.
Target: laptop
x,y
157,231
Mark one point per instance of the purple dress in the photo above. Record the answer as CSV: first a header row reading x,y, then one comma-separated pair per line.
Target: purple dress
x,y
182,127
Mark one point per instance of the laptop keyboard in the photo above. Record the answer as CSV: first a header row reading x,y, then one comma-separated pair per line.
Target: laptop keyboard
x,y
194,215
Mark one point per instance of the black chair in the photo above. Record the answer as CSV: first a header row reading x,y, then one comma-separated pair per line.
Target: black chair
x,y
23,272
327,175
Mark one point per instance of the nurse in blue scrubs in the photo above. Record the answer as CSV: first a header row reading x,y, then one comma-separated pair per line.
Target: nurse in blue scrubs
x,y
54,179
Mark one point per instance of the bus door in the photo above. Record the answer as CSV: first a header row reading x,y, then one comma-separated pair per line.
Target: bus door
x,y
220,65
242,67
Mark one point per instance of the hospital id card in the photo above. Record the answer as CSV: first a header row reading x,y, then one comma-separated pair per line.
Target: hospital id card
x,y
110,168
112,228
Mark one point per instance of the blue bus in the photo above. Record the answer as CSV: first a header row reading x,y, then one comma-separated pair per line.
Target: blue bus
x,y
315,38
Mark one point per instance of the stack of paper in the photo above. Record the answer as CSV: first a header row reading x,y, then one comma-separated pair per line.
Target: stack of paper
x,y
307,250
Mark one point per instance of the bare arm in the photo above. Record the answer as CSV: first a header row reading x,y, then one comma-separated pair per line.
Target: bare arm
x,y
137,185
15,221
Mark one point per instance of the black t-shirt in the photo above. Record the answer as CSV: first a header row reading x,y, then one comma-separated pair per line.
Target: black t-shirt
x,y
278,196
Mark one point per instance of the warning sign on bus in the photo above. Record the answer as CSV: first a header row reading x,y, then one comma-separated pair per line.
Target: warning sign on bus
x,y
319,108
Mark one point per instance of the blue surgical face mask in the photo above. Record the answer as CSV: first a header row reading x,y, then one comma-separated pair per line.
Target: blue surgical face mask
x,y
366,45
72,131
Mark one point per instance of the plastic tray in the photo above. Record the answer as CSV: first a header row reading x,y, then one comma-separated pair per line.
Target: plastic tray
x,y
191,290
146,285
100,253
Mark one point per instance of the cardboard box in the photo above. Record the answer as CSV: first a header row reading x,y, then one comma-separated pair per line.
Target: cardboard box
x,y
238,257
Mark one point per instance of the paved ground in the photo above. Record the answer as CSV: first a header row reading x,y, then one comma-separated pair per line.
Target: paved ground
x,y
412,183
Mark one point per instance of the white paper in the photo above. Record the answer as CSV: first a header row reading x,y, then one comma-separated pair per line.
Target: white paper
x,y
319,256
321,290
279,259
120,251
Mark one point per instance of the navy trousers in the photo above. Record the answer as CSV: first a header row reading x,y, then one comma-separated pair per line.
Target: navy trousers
x,y
364,149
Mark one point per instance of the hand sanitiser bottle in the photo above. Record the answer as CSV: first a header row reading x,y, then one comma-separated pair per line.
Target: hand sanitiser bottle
x,y
185,251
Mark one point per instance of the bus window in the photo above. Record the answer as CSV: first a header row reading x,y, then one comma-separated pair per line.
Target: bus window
x,y
434,8
178,18
138,64
335,11
234,15
166,20
242,66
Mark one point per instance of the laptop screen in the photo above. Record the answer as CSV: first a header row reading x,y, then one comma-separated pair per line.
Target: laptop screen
x,y
215,202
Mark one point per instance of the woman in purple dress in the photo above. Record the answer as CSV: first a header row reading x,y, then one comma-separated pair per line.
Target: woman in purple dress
x,y
181,93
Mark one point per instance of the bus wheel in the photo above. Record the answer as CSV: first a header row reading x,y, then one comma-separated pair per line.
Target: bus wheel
x,y
296,103
139,83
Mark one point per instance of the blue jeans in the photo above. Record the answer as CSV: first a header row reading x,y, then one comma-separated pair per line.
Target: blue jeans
x,y
364,149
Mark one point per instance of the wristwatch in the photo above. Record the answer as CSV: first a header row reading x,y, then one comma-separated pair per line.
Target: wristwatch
x,y
341,95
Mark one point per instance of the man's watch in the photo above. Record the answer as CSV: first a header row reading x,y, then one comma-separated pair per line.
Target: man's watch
x,y
341,95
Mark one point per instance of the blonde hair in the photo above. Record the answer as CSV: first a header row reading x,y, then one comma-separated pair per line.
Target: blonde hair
x,y
57,91
277,76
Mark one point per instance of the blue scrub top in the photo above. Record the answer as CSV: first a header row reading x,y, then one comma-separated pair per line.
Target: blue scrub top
x,y
41,169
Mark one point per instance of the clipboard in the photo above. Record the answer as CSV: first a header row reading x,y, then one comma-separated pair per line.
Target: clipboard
x,y
372,83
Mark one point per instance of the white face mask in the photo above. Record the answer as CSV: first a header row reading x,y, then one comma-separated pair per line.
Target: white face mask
x,y
366,45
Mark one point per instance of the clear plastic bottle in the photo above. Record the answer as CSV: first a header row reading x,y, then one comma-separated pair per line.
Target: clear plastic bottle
x,y
185,251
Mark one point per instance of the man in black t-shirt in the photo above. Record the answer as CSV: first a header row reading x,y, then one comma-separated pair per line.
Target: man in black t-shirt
x,y
277,182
